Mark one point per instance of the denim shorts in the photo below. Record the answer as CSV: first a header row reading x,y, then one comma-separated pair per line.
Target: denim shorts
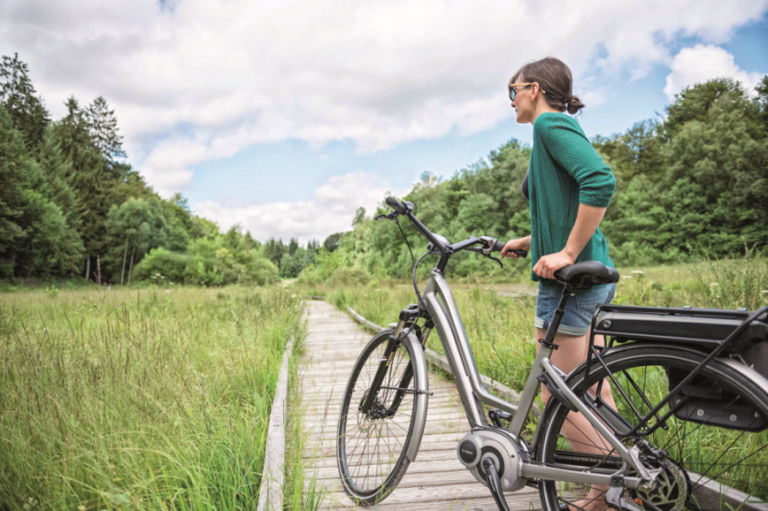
x,y
578,310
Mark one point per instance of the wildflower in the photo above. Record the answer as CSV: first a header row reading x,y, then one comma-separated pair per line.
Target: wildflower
x,y
636,271
764,291
627,277
714,284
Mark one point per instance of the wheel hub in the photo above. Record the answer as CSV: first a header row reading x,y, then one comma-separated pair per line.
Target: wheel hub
x,y
366,418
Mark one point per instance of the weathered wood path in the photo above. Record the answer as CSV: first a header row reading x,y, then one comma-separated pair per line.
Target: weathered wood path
x,y
436,480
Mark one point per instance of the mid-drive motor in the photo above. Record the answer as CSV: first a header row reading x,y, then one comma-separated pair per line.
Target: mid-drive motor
x,y
499,446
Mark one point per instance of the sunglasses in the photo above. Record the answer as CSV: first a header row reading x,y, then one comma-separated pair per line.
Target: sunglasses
x,y
513,90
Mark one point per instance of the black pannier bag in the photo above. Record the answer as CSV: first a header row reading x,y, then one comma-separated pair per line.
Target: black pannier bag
x,y
705,401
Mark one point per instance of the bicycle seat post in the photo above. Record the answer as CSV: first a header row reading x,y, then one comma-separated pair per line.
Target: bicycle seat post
x,y
548,341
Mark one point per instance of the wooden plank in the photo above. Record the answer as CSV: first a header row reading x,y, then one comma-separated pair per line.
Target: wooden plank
x,y
414,497
709,494
271,490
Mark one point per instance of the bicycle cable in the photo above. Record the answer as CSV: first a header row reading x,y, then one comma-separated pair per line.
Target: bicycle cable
x,y
415,265
415,285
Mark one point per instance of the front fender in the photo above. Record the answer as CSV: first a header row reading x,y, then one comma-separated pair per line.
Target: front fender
x,y
421,383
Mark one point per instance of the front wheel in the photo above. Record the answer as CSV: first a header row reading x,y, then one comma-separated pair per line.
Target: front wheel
x,y
373,441
709,464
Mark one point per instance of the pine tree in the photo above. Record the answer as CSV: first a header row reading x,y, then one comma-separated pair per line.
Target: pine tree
x,y
293,246
13,173
102,127
87,178
27,112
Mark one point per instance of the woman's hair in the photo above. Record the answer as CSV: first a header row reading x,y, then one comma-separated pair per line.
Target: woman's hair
x,y
554,78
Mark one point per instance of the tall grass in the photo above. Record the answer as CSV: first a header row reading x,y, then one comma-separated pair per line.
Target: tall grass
x,y
138,399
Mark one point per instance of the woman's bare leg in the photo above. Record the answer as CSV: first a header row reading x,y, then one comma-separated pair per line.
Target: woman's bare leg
x,y
572,351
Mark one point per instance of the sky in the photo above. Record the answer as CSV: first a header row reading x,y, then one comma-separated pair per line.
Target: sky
x,y
286,116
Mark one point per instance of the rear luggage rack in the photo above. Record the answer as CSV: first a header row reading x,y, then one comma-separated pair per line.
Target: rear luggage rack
x,y
708,328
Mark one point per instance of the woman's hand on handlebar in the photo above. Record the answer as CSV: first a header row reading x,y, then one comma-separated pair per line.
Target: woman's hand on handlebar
x,y
518,244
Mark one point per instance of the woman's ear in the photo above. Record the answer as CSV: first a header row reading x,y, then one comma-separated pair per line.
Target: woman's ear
x,y
535,91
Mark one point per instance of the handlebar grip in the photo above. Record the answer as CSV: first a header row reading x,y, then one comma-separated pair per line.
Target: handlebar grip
x,y
499,246
395,204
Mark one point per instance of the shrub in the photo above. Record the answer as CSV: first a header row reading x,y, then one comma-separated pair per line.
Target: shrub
x,y
350,276
163,263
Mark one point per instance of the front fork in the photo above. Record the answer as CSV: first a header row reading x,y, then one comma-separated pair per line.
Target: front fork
x,y
408,316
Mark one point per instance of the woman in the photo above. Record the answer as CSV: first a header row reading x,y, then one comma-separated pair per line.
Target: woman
x,y
569,188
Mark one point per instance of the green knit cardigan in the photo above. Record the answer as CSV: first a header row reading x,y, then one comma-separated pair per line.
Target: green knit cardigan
x,y
565,171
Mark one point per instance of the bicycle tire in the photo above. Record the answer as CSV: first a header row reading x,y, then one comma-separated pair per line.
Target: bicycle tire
x,y
730,457
380,444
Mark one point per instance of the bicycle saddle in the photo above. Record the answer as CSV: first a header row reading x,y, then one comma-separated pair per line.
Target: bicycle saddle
x,y
587,274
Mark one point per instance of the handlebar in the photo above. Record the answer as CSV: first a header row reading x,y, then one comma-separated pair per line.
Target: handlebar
x,y
405,208
396,205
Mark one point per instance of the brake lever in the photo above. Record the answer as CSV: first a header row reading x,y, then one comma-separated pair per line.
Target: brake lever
x,y
391,216
482,253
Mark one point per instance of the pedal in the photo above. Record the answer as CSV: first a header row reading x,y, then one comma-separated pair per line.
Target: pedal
x,y
613,496
497,416
493,482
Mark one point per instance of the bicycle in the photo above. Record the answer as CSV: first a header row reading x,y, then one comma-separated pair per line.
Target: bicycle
x,y
678,378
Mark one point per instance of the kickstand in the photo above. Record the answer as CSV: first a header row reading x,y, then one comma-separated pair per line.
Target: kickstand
x,y
613,496
493,482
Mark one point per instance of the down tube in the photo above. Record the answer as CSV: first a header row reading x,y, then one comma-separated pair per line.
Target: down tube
x,y
445,314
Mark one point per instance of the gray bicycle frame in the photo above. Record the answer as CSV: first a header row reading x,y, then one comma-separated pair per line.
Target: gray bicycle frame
x,y
441,306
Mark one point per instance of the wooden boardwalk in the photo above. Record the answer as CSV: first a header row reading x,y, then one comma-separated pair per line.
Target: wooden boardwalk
x,y
436,480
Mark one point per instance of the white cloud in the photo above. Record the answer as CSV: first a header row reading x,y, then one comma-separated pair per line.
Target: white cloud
x,y
205,79
331,210
702,63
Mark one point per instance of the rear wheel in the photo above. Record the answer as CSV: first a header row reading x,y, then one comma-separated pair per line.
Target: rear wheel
x,y
709,465
372,442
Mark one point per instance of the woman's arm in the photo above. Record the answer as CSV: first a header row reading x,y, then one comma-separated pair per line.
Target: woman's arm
x,y
587,221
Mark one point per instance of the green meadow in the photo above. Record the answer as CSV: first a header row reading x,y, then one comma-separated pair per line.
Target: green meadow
x,y
139,399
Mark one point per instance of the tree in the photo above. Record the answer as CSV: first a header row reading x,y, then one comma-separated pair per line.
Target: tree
x,y
28,115
359,216
87,178
331,243
762,101
274,250
293,246
203,228
14,171
250,242
137,226
34,233
102,128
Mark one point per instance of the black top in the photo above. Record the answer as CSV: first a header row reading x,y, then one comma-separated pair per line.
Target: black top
x,y
525,186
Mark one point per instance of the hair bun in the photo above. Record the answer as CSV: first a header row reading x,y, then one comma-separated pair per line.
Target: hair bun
x,y
573,104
